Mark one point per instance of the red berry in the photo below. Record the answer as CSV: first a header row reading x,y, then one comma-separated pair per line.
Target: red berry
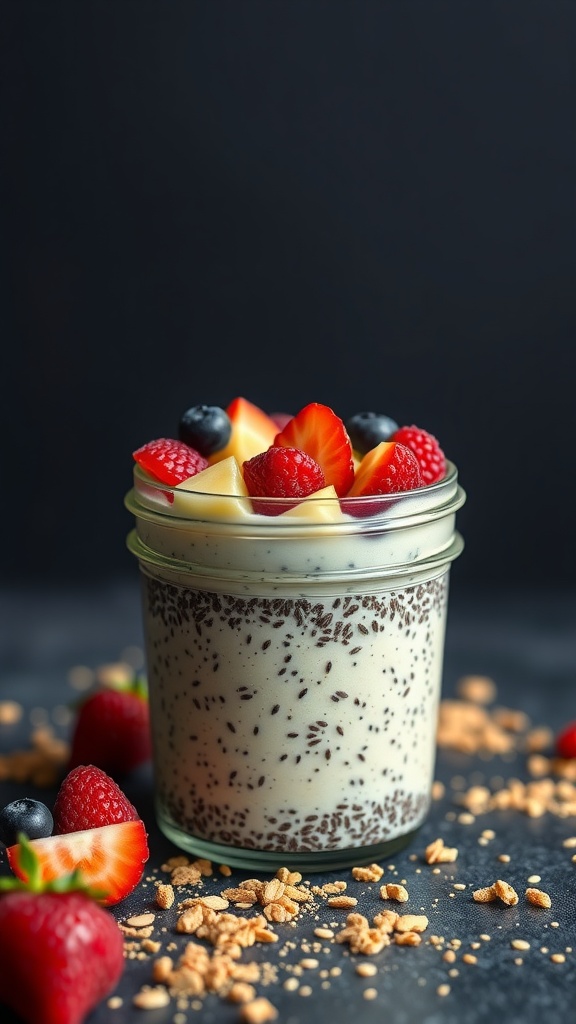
x,y
110,859
281,473
112,731
89,798
566,741
426,449
170,461
319,432
386,469
61,954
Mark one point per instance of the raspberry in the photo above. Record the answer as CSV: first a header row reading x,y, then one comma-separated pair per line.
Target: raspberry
x,y
169,460
426,449
281,473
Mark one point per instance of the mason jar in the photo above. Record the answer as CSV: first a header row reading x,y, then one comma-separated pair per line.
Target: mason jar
x,y
294,665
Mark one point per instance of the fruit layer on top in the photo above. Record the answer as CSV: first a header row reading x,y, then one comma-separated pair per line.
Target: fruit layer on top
x,y
245,452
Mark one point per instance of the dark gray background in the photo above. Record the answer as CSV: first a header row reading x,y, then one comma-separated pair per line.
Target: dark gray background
x,y
366,204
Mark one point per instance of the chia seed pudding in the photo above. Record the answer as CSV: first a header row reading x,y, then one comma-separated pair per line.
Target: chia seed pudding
x,y
294,673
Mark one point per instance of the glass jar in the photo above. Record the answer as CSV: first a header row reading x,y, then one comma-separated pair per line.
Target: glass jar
x,y
294,666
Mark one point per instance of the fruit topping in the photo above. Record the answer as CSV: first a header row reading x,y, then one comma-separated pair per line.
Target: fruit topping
x,y
322,507
426,449
253,431
169,461
110,859
218,492
25,815
367,429
207,428
61,952
89,798
238,439
566,741
280,419
281,473
112,729
386,469
317,430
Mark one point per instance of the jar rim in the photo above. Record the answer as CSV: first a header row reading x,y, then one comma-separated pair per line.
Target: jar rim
x,y
171,506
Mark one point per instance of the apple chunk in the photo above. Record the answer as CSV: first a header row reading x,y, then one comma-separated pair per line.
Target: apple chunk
x,y
253,431
218,492
322,506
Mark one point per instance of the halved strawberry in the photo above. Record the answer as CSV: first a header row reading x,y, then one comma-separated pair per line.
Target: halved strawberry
x,y
388,468
317,430
427,450
111,859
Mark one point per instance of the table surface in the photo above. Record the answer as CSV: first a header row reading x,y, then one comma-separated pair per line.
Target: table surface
x,y
527,644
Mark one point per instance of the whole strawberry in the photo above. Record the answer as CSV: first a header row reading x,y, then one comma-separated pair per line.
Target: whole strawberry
x,y
112,729
61,953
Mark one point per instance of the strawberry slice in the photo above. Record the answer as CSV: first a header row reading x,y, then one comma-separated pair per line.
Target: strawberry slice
x,y
319,432
388,468
111,858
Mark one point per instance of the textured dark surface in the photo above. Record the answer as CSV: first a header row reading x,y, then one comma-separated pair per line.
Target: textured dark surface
x,y
527,643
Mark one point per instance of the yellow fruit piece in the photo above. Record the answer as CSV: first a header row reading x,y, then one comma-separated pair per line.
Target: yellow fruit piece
x,y
218,492
320,507
253,431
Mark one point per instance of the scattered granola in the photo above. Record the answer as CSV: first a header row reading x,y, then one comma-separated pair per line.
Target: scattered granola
x,y
164,895
484,895
40,764
366,969
259,1011
218,928
499,890
437,853
391,891
342,902
477,689
538,898
505,892
370,873
10,712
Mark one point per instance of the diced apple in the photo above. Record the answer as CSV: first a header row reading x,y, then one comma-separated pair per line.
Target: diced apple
x,y
322,506
218,492
253,431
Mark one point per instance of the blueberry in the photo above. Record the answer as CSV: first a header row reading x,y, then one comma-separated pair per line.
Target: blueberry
x,y
207,428
367,429
25,815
